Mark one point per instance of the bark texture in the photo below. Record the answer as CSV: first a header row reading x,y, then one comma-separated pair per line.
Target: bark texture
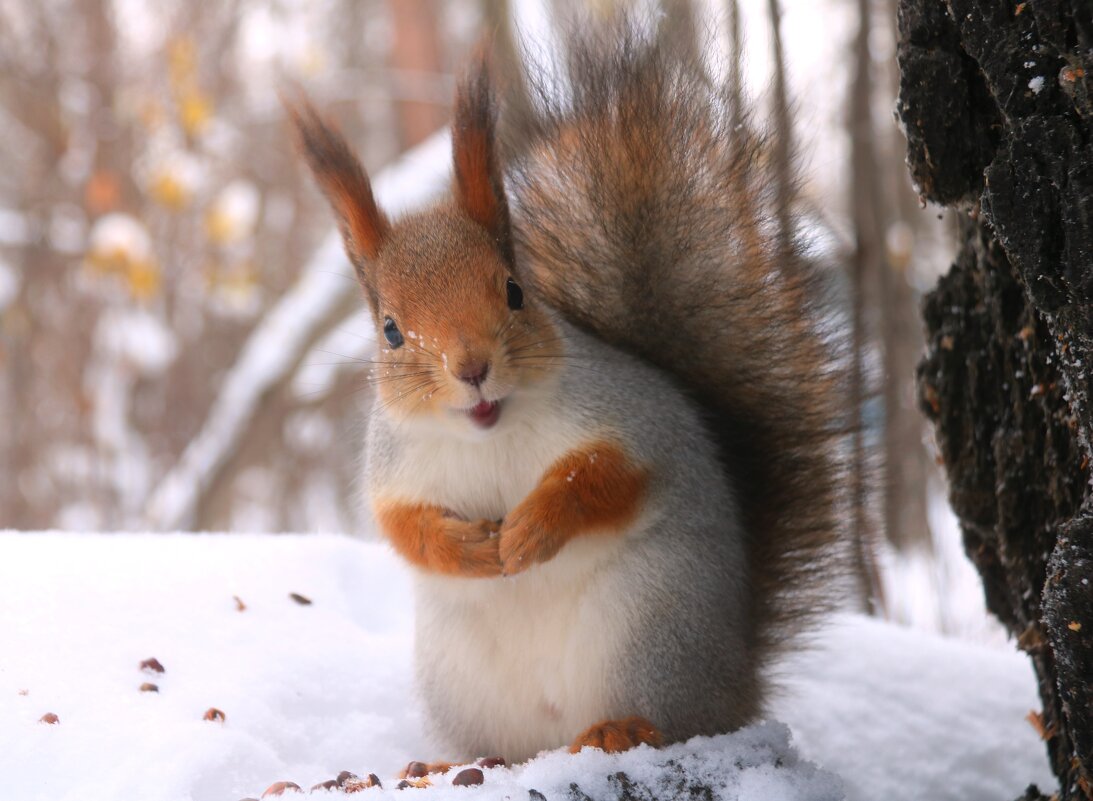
x,y
996,98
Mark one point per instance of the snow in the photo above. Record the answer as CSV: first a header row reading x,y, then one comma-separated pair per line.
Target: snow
x,y
137,338
121,233
937,588
235,211
1036,84
311,690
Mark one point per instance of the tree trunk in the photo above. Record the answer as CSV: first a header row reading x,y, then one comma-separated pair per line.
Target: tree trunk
x,y
995,98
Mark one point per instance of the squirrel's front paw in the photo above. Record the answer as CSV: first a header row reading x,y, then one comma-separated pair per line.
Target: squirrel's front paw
x,y
527,538
470,548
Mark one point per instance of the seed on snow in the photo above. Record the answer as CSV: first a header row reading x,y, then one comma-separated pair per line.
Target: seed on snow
x,y
468,778
152,664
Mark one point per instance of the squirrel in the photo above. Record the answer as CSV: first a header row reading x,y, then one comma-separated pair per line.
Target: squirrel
x,y
606,431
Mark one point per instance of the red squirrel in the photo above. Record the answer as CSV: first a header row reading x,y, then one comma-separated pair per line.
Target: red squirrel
x,y
607,416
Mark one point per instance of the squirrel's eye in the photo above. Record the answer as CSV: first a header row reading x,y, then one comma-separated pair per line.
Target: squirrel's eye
x,y
515,295
391,333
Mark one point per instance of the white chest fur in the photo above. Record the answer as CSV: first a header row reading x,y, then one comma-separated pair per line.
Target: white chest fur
x,y
513,663
521,664
482,477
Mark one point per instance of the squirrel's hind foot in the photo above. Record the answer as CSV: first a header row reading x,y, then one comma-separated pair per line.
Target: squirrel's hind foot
x,y
613,736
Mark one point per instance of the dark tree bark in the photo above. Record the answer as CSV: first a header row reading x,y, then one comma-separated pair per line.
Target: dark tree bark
x,y
995,98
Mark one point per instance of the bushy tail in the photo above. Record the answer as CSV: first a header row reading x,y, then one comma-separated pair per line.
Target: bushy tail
x,y
643,208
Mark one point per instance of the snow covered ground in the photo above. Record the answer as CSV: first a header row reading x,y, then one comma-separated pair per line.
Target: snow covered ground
x,y
308,690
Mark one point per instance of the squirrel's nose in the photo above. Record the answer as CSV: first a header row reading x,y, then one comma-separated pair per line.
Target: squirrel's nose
x,y
473,372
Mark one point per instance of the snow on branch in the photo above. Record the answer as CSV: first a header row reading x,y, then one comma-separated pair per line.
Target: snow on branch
x,y
275,347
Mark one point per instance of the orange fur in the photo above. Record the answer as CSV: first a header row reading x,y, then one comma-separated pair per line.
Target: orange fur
x,y
441,276
472,171
343,181
430,538
614,736
596,488
477,170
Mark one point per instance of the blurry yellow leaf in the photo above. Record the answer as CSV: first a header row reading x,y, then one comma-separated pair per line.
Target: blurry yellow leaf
x,y
220,227
143,280
234,214
169,191
113,261
194,111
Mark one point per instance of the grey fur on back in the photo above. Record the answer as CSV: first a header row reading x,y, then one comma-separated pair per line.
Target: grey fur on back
x,y
642,209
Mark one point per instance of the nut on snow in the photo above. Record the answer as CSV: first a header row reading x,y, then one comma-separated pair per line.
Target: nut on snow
x,y
148,687
152,664
280,788
351,783
415,770
50,718
492,762
468,777
212,713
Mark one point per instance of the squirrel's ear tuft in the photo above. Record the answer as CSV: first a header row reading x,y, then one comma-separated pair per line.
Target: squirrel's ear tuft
x,y
479,183
345,184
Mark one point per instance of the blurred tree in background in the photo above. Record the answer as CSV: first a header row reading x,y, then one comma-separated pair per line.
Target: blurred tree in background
x,y
157,233
150,213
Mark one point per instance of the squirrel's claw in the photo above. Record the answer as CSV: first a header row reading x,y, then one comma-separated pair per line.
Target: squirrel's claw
x,y
613,736
525,541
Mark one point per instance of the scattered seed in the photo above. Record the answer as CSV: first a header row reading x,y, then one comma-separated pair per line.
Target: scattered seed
x,y
279,788
492,762
1074,625
212,713
152,664
415,770
239,605
329,784
24,692
468,778
355,785
148,687
49,718
300,599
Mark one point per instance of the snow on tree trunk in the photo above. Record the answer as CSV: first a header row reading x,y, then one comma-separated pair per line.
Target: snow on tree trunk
x,y
996,99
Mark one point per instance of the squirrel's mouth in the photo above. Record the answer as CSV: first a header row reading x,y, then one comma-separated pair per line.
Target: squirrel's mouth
x,y
485,414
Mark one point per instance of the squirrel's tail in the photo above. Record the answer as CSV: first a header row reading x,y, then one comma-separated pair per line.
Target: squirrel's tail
x,y
643,207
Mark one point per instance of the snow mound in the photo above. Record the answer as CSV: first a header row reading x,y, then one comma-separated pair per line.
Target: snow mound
x,y
753,764
311,689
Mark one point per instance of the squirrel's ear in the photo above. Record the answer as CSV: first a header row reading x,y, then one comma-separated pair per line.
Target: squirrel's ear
x,y
479,184
345,185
